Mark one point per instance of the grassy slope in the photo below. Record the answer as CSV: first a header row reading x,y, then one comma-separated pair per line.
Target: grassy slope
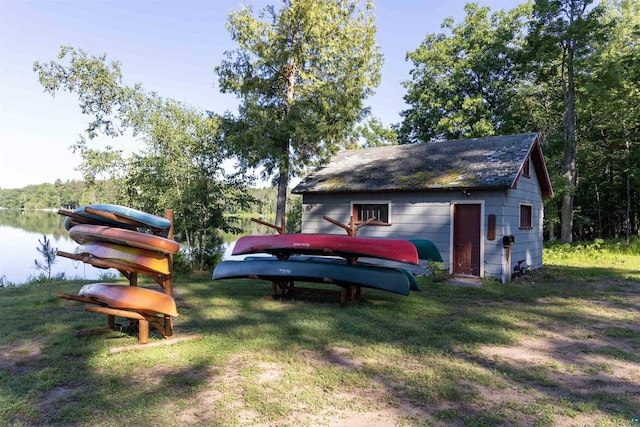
x,y
418,360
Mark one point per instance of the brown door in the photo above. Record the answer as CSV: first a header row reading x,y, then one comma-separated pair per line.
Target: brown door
x,y
466,239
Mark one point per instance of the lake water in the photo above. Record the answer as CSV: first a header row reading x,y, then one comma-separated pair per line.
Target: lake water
x,y
19,235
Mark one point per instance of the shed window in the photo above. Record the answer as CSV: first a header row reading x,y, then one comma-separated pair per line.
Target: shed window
x,y
526,172
364,211
525,216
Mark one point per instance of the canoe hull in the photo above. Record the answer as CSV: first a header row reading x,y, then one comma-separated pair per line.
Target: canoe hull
x,y
124,217
88,233
339,273
150,260
130,298
404,268
427,250
284,245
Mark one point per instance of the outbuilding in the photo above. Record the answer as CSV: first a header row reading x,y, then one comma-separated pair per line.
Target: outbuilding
x,y
479,200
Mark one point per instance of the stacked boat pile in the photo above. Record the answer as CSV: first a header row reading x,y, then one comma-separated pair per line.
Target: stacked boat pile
x,y
349,262
133,242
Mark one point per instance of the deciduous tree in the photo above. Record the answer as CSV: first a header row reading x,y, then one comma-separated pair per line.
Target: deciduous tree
x,y
180,165
462,84
561,36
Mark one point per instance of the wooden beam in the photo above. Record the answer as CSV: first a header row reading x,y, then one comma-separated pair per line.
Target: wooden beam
x,y
281,229
114,312
168,341
107,263
351,229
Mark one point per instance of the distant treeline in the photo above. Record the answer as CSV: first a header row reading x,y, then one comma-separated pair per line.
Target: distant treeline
x,y
71,194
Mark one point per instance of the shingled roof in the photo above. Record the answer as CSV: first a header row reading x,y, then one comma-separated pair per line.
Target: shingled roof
x,y
492,162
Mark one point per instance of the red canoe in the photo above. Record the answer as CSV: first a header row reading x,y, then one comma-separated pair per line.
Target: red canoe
x,y
130,298
87,233
283,245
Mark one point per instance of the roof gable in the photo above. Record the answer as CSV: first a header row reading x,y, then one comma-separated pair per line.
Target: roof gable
x,y
492,162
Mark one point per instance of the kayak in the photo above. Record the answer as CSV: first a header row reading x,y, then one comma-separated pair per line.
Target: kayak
x,y
118,216
150,260
88,233
130,298
285,245
340,273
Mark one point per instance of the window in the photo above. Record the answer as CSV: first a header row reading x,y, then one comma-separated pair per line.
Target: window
x,y
364,211
525,216
525,169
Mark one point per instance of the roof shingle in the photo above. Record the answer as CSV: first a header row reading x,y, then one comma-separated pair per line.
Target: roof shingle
x,y
493,162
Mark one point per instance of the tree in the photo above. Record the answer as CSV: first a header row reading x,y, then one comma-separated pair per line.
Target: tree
x,y
49,258
463,83
561,35
374,134
612,126
301,73
181,166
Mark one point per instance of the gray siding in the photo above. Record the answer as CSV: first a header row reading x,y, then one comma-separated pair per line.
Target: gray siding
x,y
529,242
413,216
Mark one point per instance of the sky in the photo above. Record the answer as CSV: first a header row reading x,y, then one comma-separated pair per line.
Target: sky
x,y
168,46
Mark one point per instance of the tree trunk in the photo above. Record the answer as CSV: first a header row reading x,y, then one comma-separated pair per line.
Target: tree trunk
x,y
285,166
628,182
283,183
552,235
569,124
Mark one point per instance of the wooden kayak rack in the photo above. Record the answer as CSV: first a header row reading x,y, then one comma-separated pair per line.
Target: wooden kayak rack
x,y
162,322
348,294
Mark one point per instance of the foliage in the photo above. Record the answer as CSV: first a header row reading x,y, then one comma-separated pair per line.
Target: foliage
x,y
608,199
374,134
301,73
59,195
181,165
48,256
294,215
48,259
463,83
562,34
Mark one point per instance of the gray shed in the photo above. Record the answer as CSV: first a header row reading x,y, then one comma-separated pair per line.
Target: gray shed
x,y
470,197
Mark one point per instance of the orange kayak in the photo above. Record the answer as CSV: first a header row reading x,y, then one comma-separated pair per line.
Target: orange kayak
x,y
144,258
87,233
127,297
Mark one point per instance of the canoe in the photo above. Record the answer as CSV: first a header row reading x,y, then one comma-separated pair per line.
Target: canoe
x,y
118,216
341,274
150,260
284,245
130,298
406,269
87,233
427,250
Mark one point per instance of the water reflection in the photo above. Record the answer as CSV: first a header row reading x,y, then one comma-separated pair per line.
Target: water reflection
x,y
19,235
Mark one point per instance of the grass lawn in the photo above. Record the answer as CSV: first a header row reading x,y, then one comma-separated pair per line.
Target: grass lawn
x,y
560,346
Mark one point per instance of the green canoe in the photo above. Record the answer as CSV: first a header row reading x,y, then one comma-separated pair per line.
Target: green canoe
x,y
317,271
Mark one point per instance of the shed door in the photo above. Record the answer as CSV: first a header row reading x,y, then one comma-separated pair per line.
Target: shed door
x,y
466,239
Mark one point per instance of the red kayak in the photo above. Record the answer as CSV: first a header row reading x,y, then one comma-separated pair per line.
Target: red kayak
x,y
284,245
